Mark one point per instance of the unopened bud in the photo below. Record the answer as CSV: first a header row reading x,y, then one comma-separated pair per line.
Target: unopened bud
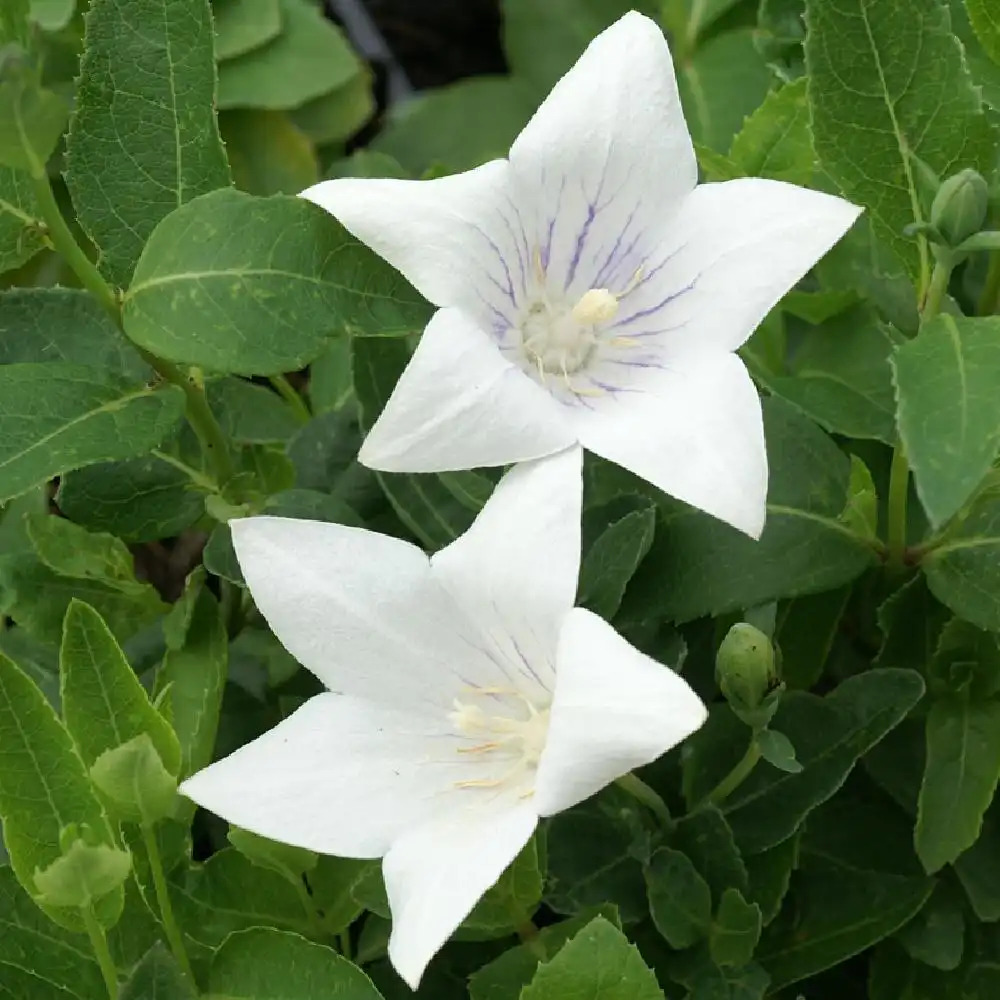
x,y
83,875
747,673
960,206
134,781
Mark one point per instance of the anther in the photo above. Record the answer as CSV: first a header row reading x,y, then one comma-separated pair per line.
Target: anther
x,y
595,306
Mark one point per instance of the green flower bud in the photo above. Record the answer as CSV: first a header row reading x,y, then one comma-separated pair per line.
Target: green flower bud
x,y
83,875
960,206
134,781
747,673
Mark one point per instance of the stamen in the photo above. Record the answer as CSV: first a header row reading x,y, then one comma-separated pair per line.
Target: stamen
x,y
595,306
482,748
624,342
539,270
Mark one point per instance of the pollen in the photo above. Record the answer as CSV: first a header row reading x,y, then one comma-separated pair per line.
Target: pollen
x,y
595,306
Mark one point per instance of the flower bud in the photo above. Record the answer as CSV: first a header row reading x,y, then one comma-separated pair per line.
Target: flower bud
x,y
746,670
134,781
960,206
84,874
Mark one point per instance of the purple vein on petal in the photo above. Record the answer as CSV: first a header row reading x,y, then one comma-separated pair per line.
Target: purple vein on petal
x,y
643,313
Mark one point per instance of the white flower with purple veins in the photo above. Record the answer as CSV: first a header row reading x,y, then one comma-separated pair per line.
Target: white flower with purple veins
x,y
467,698
590,292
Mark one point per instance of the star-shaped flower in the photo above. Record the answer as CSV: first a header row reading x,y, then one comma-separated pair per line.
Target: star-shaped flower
x,y
467,698
590,292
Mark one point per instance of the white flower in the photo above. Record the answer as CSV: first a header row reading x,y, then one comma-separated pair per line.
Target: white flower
x,y
467,698
589,292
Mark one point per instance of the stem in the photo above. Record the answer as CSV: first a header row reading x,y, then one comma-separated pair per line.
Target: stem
x,y
641,792
65,244
991,287
899,490
344,942
199,415
309,905
936,289
173,933
528,933
737,775
291,397
99,942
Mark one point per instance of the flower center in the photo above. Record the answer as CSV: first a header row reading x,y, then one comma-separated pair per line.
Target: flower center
x,y
558,339
509,729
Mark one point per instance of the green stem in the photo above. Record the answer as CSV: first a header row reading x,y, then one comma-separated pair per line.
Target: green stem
x,y
990,295
936,289
344,942
65,244
174,938
199,414
641,792
737,775
291,397
899,491
309,905
99,942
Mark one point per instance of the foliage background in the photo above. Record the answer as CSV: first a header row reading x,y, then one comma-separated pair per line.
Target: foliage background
x,y
872,871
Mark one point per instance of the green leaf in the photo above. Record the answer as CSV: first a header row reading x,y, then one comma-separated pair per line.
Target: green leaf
x,y
139,500
228,894
776,140
244,25
946,385
707,839
333,883
258,286
829,734
335,117
57,417
82,876
839,375
680,900
268,153
589,863
143,140
157,977
193,673
104,704
461,125
699,566
911,621
511,902
20,230
985,71
31,122
842,911
770,874
597,963
804,632
776,748
986,22
720,85
543,40
288,861
310,57
936,935
612,560
978,869
249,413
39,959
735,930
134,782
52,15
44,789
509,973
255,965
963,570
963,766
887,81
64,324
422,502
331,380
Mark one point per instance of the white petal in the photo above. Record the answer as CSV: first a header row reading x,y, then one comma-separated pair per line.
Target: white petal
x,y
456,239
436,874
694,431
339,776
615,709
606,159
362,611
460,405
515,570
729,255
